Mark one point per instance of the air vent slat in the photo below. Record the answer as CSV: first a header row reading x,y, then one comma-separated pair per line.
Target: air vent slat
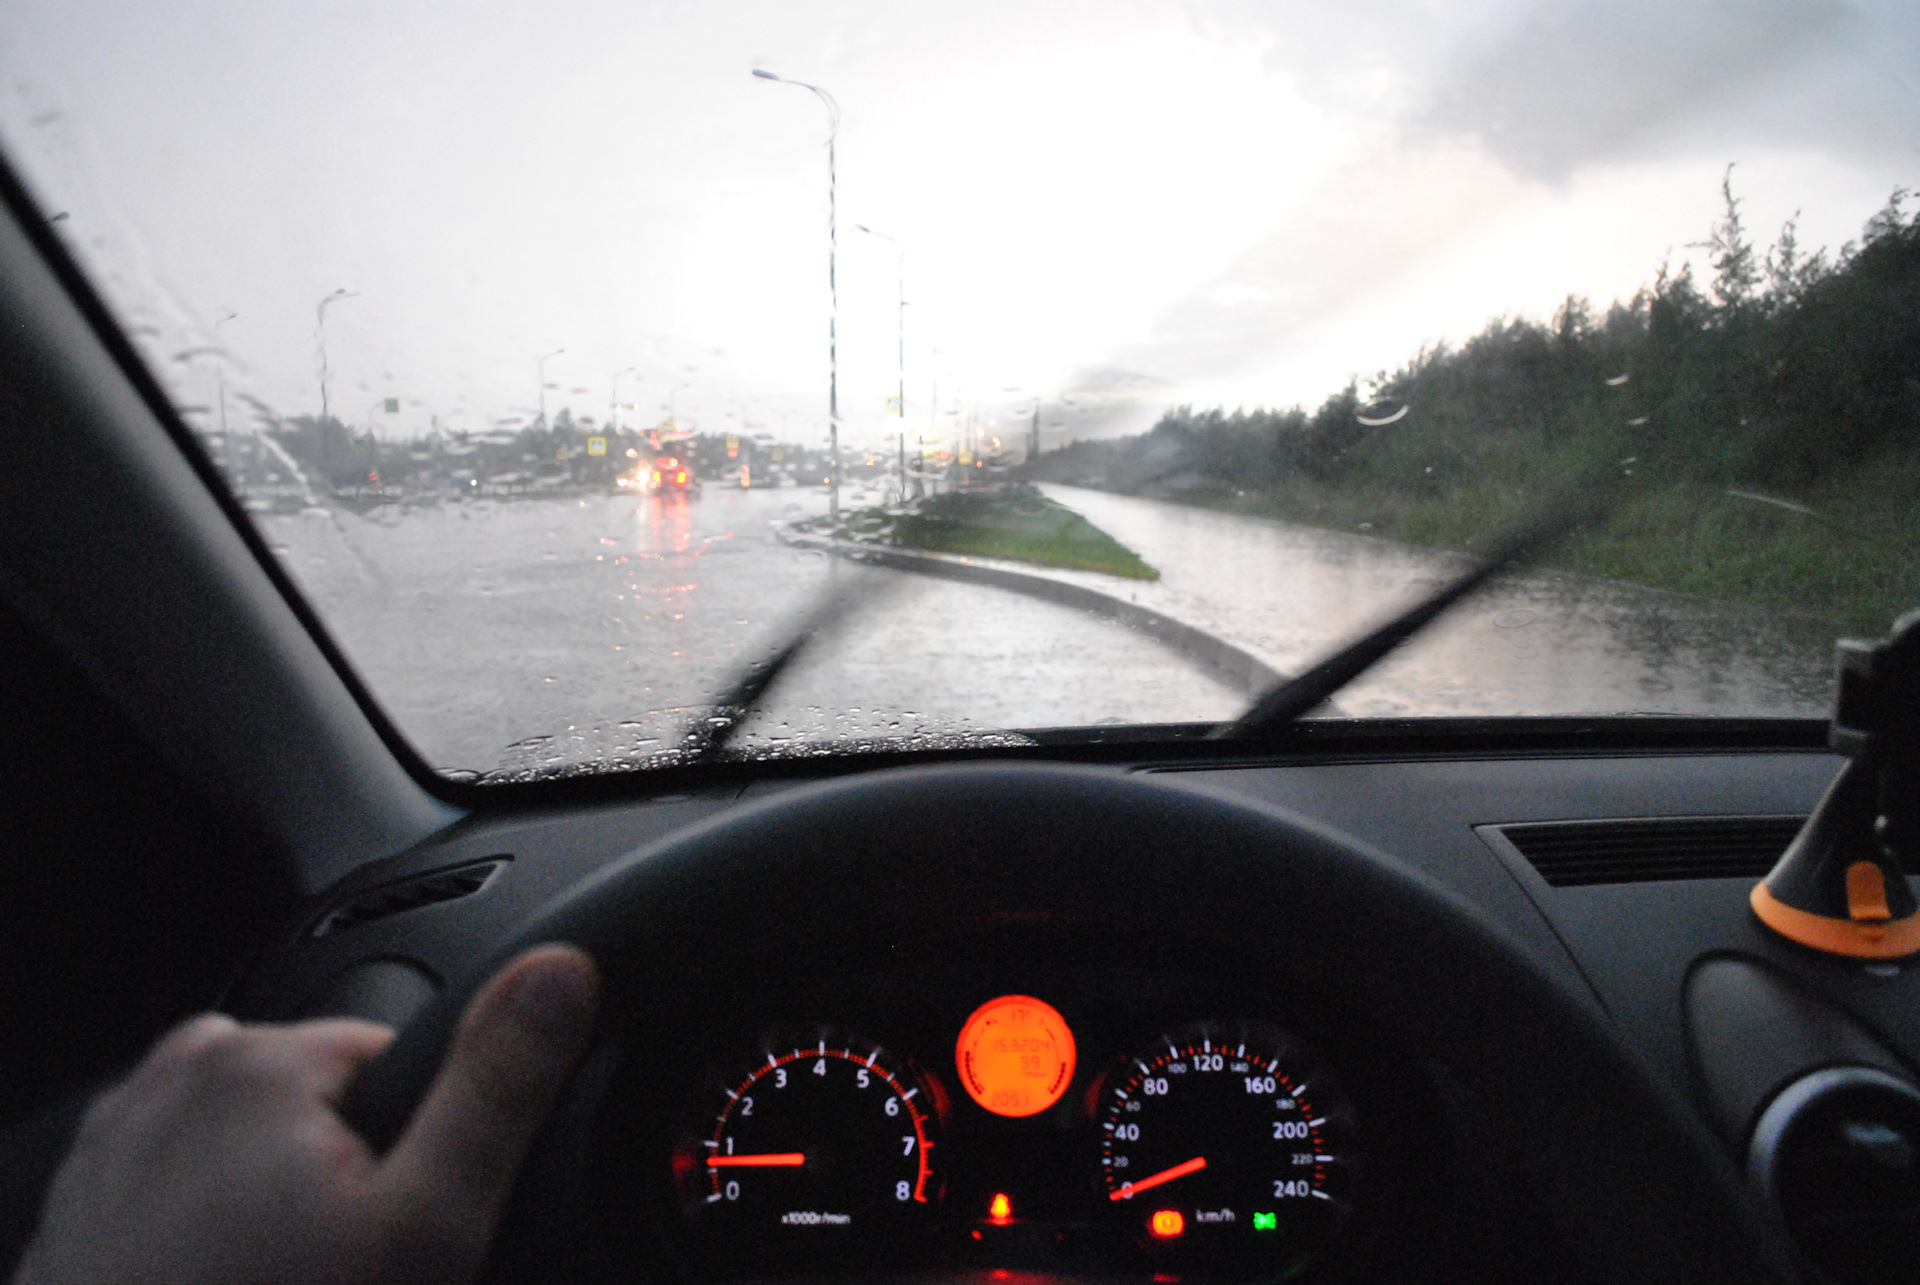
x,y
1570,854
412,894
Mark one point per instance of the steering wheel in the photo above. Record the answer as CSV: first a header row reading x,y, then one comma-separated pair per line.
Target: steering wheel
x,y
1637,1187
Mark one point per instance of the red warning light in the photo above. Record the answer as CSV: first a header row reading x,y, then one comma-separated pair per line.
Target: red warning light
x,y
1166,1223
1000,1209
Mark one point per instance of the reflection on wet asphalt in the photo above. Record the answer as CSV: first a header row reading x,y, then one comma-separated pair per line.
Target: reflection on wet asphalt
x,y
1532,643
529,633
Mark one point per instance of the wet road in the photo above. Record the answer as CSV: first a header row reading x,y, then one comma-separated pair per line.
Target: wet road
x,y
527,633
530,633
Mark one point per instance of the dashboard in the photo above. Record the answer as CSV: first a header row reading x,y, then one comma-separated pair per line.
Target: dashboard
x,y
1029,1117
876,1055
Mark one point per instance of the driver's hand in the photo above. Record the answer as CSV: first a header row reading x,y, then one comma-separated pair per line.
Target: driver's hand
x,y
222,1159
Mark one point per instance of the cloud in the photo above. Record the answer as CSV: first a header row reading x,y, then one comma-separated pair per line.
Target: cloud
x,y
1572,84
1548,86
1505,152
1346,247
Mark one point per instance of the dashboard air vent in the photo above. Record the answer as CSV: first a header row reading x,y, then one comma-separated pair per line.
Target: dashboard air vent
x,y
1839,1152
409,894
1570,854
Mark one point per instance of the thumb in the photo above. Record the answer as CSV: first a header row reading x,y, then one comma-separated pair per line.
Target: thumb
x,y
517,1042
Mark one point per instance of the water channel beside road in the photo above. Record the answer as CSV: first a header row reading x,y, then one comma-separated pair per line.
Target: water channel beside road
x,y
529,634
1531,643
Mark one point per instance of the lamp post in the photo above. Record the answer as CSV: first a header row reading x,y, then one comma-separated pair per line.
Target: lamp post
x,y
1033,431
320,331
613,398
833,291
541,365
900,337
933,412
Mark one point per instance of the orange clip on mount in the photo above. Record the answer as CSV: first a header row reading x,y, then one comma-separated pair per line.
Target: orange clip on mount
x,y
1841,886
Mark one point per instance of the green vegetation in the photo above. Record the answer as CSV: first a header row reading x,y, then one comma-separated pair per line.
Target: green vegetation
x,y
1765,429
1016,523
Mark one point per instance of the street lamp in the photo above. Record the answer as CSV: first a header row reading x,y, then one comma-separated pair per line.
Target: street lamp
x,y
541,365
613,397
900,334
833,290
320,331
1033,431
673,417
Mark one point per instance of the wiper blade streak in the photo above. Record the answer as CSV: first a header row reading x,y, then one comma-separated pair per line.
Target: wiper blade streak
x,y
731,707
1294,697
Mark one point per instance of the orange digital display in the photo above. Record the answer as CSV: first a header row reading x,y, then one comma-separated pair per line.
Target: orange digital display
x,y
1015,1055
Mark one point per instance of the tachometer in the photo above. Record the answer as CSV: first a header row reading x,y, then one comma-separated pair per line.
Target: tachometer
x,y
1239,1147
816,1148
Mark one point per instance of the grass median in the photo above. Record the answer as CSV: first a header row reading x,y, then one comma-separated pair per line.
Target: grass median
x,y
1015,523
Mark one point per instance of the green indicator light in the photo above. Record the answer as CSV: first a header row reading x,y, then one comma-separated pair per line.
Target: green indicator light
x,y
1265,1222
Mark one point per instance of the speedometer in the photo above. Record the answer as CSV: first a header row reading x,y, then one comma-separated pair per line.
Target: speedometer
x,y
1231,1144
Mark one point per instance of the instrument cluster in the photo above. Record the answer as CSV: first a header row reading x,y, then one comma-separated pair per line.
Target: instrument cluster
x,y
1067,1127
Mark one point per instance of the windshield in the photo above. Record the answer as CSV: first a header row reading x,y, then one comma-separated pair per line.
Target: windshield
x,y
1094,363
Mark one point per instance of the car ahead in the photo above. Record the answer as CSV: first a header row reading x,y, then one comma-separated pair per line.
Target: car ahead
x,y
671,473
1339,998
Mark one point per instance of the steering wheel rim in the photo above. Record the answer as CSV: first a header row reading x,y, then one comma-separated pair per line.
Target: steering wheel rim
x,y
897,851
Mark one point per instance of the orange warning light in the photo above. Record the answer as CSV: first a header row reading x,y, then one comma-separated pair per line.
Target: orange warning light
x,y
1166,1223
1015,1055
1000,1209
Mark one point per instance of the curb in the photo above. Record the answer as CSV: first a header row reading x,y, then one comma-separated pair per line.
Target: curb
x,y
1238,668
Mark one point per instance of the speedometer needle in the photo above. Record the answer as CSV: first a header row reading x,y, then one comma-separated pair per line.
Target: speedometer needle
x,y
1129,1189
771,1159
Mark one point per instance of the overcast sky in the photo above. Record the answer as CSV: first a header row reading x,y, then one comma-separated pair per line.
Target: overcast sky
x,y
1231,202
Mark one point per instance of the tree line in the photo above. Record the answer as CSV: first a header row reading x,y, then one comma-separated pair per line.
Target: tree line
x,y
1777,400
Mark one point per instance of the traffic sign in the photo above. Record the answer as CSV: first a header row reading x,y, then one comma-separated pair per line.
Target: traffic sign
x,y
596,446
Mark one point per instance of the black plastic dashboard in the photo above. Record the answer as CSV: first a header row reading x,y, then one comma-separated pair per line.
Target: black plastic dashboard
x,y
1418,1189
1302,1137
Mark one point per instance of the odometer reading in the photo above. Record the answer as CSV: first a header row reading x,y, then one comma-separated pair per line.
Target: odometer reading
x,y
1015,1055
1239,1144
817,1144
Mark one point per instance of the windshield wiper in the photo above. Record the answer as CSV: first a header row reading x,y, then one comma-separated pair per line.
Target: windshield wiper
x,y
730,709
1291,699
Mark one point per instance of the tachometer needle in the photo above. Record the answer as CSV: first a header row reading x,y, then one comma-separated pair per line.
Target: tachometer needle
x,y
767,1160
1128,1189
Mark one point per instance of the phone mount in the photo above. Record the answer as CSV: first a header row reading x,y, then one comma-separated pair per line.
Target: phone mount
x,y
1841,886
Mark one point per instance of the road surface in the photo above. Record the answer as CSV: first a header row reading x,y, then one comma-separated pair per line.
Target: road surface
x,y
529,634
